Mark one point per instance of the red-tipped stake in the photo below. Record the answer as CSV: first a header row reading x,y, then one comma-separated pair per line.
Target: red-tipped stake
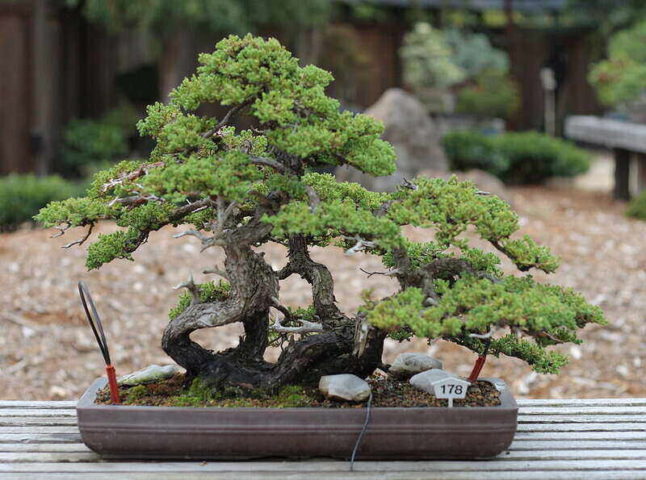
x,y
95,322
480,361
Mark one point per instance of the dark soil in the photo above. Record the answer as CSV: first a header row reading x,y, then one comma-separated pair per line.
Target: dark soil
x,y
387,392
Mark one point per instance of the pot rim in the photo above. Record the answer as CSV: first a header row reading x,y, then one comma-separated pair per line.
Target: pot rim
x,y
87,401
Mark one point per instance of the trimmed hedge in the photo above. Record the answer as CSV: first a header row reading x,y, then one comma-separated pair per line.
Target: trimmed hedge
x,y
466,150
22,196
516,157
637,207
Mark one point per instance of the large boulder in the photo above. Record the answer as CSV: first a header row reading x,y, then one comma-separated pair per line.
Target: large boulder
x,y
344,386
413,134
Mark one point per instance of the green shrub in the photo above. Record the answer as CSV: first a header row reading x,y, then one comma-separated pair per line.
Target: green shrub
x,y
515,157
22,196
467,150
88,144
534,157
622,77
637,206
493,95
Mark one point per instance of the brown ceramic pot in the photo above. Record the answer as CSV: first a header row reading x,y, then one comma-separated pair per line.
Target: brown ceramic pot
x,y
243,433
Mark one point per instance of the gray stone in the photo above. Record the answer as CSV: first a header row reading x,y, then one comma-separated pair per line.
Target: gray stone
x,y
424,381
408,364
344,386
413,134
150,374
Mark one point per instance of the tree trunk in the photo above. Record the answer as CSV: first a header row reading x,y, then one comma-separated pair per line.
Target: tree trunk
x,y
254,290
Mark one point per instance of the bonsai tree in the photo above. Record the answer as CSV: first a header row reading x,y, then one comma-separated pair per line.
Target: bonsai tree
x,y
238,189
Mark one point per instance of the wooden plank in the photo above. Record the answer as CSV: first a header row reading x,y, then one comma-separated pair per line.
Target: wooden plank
x,y
596,410
321,466
582,419
40,412
37,404
580,402
14,421
574,444
633,435
427,475
47,447
40,437
35,429
512,456
579,427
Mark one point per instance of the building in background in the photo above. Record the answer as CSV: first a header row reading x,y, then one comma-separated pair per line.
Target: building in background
x,y
57,66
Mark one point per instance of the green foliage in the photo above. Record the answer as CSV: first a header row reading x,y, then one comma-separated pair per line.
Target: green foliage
x,y
493,94
466,150
88,143
474,54
622,77
427,59
236,16
21,196
516,157
435,59
548,313
637,207
209,292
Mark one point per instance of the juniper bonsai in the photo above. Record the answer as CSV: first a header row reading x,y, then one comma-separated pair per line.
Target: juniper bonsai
x,y
237,189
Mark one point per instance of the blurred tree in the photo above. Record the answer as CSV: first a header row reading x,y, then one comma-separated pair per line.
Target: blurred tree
x,y
621,78
608,16
175,23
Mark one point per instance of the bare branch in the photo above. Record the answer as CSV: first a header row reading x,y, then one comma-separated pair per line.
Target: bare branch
x,y
192,288
140,172
270,162
81,241
408,184
61,230
226,119
205,239
359,246
216,271
305,327
390,273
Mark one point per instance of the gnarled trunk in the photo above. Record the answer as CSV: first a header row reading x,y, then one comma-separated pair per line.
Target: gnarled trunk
x,y
254,291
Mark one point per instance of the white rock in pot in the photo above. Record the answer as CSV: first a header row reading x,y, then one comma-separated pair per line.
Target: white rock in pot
x,y
150,374
424,381
408,364
344,386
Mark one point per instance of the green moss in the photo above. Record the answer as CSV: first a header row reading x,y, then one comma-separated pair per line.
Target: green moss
x,y
134,394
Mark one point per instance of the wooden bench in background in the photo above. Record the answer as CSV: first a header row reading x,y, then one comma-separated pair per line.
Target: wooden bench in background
x,y
627,140
591,439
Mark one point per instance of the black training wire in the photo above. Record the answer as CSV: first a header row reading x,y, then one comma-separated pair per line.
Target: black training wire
x,y
94,320
363,432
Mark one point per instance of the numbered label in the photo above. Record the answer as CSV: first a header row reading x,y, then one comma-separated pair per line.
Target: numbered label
x,y
451,388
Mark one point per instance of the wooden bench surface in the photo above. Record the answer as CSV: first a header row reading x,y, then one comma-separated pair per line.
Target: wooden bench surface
x,y
556,439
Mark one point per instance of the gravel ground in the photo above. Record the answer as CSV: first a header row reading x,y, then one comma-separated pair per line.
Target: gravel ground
x,y
48,352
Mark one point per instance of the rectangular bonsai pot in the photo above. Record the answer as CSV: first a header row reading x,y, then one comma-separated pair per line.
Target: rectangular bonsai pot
x,y
244,433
